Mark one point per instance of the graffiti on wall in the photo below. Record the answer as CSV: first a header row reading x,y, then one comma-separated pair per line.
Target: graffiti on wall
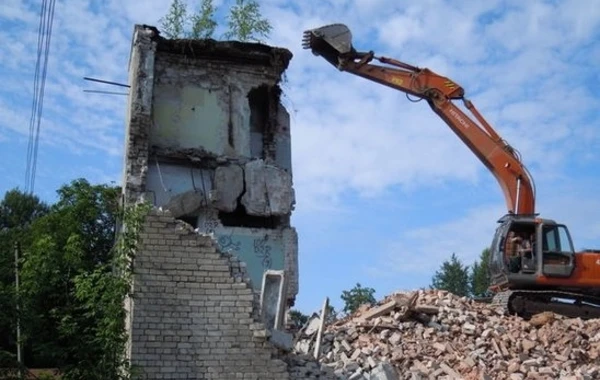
x,y
227,243
259,250
210,225
262,250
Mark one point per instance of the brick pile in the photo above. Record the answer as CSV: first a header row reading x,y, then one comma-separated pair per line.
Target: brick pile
x,y
436,335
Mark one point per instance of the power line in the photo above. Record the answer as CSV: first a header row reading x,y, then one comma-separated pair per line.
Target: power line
x,y
35,97
46,54
44,38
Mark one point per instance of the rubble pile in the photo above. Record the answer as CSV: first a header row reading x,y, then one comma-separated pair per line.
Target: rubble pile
x,y
437,335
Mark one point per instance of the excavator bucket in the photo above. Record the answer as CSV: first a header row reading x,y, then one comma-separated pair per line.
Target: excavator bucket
x,y
330,42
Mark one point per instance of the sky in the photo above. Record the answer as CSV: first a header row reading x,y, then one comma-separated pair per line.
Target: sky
x,y
385,191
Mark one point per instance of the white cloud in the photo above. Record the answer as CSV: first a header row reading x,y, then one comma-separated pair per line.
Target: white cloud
x,y
372,138
421,250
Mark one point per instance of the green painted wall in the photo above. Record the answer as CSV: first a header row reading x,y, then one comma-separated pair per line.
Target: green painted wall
x,y
189,117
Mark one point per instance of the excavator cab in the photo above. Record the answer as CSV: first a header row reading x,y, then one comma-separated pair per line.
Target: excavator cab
x,y
527,248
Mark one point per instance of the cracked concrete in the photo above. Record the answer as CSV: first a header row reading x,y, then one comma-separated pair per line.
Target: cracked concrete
x,y
268,190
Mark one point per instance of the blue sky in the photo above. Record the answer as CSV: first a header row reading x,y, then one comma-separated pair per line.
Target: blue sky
x,y
385,191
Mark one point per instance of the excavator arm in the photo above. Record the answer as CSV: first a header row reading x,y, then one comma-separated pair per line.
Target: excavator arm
x,y
333,42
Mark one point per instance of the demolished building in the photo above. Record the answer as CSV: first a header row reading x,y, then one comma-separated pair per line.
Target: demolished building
x,y
209,140
208,145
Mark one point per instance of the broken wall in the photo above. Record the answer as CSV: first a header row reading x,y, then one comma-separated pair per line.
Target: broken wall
x,y
193,313
209,140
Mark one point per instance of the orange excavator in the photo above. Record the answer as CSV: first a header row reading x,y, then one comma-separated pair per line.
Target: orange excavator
x,y
533,266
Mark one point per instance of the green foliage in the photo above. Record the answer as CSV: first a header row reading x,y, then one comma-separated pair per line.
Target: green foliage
x,y
298,318
356,297
9,366
18,211
74,278
174,22
203,22
46,376
453,276
480,277
100,317
244,20
246,23
76,236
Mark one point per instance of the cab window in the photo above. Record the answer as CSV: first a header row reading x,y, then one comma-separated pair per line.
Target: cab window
x,y
556,239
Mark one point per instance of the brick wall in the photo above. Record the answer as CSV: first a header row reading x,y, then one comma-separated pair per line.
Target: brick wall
x,y
193,310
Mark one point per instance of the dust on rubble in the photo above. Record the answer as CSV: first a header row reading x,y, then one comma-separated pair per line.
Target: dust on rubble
x,y
430,334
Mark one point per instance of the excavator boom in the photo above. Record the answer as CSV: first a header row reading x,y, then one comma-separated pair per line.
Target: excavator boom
x,y
334,43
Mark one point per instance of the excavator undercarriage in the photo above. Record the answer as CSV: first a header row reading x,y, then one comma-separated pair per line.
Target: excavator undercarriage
x,y
526,303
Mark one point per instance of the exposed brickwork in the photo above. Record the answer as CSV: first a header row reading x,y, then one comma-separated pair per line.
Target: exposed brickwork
x,y
194,312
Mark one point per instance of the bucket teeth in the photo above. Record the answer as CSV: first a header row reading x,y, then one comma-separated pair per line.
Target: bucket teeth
x,y
306,39
327,38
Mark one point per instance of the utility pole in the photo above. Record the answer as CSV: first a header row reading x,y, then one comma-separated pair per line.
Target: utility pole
x,y
19,352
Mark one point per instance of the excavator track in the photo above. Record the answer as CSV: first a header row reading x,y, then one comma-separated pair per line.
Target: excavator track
x,y
526,303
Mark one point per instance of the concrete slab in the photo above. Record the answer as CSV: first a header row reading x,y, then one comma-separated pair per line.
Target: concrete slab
x,y
229,184
269,189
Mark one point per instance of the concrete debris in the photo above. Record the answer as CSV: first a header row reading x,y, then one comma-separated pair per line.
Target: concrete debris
x,y
229,185
437,335
263,197
304,367
185,203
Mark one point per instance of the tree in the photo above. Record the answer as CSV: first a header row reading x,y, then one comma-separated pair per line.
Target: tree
x,y
297,318
75,276
246,23
356,297
18,210
75,237
453,276
480,277
173,24
100,297
203,22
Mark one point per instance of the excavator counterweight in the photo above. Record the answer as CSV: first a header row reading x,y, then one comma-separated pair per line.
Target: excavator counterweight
x,y
533,266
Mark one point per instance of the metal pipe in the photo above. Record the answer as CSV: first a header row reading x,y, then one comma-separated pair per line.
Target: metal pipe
x,y
19,348
518,195
106,82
